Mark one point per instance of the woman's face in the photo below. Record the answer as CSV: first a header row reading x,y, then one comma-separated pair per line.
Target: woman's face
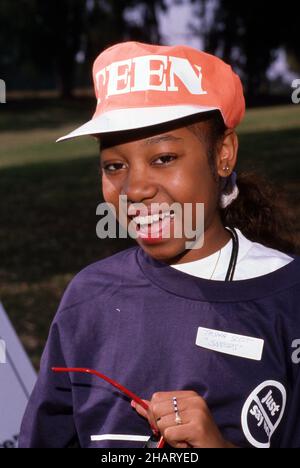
x,y
170,167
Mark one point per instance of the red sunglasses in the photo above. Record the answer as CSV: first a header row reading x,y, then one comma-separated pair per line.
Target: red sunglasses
x,y
153,442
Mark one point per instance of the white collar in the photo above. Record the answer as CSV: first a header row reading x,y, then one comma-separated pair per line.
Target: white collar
x,y
205,266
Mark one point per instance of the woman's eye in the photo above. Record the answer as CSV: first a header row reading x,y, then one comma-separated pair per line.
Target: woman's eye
x,y
112,167
166,159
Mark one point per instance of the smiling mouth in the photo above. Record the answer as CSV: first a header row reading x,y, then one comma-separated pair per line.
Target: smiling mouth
x,y
151,220
154,227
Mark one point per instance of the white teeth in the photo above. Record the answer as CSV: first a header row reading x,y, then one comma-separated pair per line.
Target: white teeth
x,y
167,215
143,220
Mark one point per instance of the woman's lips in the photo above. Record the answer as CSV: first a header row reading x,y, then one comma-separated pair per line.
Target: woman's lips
x,y
156,231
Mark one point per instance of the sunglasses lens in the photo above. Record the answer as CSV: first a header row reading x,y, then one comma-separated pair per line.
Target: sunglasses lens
x,y
152,442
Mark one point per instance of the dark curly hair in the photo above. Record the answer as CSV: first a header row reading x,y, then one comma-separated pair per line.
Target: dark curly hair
x,y
262,210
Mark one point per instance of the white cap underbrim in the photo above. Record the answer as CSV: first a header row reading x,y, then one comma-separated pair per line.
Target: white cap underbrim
x,y
133,118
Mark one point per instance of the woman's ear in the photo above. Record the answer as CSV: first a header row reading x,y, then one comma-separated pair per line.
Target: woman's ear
x,y
227,153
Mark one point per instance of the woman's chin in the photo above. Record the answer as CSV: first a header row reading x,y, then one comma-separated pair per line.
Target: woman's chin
x,y
166,251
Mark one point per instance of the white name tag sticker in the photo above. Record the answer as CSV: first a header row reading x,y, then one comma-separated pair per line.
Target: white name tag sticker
x,y
229,343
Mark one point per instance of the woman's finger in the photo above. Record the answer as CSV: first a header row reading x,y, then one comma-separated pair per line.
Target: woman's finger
x,y
140,409
146,414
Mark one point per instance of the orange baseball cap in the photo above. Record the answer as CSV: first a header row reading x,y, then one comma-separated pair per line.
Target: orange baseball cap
x,y
138,85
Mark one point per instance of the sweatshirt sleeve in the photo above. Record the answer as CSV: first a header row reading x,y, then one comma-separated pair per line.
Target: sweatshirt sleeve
x,y
48,419
291,433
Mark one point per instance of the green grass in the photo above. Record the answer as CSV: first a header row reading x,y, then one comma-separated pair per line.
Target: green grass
x,y
49,193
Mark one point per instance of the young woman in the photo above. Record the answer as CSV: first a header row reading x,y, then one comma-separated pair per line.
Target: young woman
x,y
207,333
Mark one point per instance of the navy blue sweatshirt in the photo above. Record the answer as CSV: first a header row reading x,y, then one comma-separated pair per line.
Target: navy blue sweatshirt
x,y
137,320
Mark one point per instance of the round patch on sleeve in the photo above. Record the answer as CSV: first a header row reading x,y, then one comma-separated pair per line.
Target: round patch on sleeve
x,y
263,412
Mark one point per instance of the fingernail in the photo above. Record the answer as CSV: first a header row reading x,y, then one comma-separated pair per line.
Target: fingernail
x,y
155,432
133,404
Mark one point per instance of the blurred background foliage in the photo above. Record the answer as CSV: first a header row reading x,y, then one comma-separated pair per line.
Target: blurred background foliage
x,y
248,34
52,43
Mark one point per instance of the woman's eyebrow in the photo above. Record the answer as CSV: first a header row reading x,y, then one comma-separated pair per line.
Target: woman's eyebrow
x,y
153,141
161,138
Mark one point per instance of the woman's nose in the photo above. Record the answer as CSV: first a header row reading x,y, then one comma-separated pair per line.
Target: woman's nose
x,y
139,185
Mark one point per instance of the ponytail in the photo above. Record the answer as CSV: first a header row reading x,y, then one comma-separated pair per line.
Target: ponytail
x,y
262,212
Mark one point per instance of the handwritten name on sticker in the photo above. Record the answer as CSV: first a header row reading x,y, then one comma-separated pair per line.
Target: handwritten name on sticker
x,y
230,343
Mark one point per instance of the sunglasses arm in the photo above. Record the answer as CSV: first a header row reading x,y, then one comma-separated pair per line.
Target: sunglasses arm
x,y
115,384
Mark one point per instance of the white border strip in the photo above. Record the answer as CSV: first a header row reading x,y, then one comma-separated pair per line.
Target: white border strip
x,y
2,351
133,438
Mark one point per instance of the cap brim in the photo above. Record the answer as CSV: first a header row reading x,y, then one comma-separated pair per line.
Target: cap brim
x,y
133,118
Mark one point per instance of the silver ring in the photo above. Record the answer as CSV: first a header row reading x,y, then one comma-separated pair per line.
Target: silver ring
x,y
178,419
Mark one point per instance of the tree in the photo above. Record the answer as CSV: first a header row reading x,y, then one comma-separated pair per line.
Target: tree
x,y
59,27
121,20
290,33
248,35
47,35
15,21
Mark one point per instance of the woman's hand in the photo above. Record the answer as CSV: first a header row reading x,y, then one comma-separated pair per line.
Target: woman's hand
x,y
197,429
